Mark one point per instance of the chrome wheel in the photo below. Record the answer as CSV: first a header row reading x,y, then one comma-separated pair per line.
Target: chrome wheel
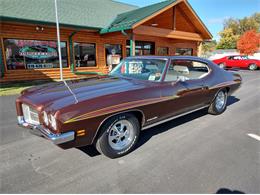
x,y
121,135
252,67
220,100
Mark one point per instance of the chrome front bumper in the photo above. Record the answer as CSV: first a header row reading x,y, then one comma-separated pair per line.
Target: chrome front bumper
x,y
41,131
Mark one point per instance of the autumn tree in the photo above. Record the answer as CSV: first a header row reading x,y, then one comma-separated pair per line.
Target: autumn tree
x,y
249,42
228,39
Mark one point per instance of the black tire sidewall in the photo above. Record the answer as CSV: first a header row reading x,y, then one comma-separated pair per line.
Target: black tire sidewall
x,y
103,144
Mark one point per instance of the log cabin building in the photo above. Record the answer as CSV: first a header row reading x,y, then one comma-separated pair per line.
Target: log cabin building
x,y
94,34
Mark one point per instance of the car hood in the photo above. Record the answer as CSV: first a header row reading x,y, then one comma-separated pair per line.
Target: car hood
x,y
58,95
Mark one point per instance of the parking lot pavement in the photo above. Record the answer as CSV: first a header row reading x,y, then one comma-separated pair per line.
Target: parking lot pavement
x,y
198,153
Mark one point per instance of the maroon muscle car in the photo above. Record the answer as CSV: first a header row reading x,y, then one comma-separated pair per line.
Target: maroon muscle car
x,y
109,111
238,61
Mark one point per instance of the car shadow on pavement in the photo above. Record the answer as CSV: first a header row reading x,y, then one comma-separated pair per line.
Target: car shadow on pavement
x,y
228,191
89,150
231,100
147,134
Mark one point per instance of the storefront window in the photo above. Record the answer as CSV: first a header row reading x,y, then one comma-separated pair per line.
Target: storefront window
x,y
113,54
33,54
85,54
162,51
184,52
142,48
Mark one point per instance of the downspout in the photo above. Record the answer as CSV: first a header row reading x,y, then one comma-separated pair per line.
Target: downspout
x,y
72,65
2,67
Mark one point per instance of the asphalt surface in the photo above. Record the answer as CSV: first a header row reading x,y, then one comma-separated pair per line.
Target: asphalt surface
x,y
198,153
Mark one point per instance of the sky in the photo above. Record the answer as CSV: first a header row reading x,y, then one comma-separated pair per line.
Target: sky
x,y
213,12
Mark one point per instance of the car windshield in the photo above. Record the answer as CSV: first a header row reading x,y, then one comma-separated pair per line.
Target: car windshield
x,y
143,69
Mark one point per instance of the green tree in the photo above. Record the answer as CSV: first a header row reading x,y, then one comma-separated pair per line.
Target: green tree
x,y
208,46
232,24
247,24
240,26
256,17
234,28
228,39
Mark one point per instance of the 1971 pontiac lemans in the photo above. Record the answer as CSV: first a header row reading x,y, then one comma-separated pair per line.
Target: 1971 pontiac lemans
x,y
238,61
109,111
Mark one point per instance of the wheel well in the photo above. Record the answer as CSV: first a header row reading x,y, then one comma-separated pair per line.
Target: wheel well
x,y
137,113
228,89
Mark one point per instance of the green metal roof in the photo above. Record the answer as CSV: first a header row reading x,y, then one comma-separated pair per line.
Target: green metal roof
x,y
103,15
126,20
79,13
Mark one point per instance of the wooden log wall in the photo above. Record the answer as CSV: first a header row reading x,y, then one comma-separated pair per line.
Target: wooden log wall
x,y
28,31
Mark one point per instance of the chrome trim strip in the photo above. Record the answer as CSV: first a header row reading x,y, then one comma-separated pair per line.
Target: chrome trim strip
x,y
150,119
171,118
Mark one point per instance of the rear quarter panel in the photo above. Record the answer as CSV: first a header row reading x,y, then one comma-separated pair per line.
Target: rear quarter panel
x,y
221,79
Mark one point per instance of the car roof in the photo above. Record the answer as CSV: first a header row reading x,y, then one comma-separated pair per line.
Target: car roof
x,y
171,57
235,55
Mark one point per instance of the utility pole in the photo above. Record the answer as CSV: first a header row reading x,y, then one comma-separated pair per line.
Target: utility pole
x,y
58,36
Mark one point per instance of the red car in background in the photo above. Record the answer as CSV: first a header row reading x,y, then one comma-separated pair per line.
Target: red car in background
x,y
238,61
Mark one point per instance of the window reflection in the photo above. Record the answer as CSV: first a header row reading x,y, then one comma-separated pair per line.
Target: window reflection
x,y
85,54
184,52
33,54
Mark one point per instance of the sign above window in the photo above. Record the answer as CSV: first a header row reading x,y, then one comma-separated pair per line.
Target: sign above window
x,y
33,54
38,52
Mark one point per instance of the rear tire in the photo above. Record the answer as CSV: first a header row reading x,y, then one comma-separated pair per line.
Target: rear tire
x,y
252,67
118,136
219,104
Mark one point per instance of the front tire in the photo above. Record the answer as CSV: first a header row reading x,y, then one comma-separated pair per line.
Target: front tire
x,y
118,135
219,104
252,67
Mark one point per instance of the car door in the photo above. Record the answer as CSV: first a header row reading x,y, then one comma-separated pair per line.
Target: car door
x,y
184,85
244,62
231,61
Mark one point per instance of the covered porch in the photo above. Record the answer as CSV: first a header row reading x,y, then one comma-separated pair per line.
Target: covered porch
x,y
161,28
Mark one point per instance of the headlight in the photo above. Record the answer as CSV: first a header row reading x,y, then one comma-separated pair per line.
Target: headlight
x,y
45,118
53,122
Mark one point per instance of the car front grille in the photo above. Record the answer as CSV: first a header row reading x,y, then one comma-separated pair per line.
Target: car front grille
x,y
30,115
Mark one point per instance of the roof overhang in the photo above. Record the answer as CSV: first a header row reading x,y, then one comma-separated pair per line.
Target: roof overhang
x,y
166,33
137,25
